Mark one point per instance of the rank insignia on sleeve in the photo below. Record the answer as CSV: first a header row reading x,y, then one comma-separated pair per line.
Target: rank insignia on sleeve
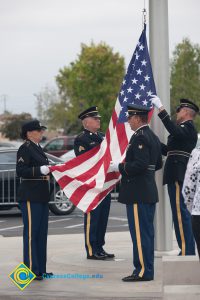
x,y
140,146
81,148
20,159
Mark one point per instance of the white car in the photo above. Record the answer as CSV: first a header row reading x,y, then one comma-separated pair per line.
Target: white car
x,y
68,155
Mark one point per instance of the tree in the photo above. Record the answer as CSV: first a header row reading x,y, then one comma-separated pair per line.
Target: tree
x,y
57,117
93,79
185,74
12,125
46,99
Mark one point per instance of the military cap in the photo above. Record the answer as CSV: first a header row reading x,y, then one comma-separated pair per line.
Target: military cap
x,y
90,112
31,125
134,109
187,103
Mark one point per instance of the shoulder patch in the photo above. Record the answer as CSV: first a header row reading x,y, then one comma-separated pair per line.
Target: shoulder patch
x,y
140,146
81,148
20,159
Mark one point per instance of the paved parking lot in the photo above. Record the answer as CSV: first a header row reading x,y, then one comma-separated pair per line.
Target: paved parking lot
x,y
11,221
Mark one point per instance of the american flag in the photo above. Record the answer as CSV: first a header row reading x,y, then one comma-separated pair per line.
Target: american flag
x,y
87,179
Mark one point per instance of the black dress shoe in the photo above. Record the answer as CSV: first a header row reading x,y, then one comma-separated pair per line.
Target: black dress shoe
x,y
38,277
97,256
109,255
134,277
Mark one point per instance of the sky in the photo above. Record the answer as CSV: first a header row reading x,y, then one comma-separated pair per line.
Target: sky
x,y
39,37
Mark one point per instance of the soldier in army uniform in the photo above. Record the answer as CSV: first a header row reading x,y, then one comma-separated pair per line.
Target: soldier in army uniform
x,y
95,222
139,192
32,168
181,141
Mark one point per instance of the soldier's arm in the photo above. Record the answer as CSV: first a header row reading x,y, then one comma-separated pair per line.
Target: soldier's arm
x,y
23,167
141,158
181,131
159,162
80,147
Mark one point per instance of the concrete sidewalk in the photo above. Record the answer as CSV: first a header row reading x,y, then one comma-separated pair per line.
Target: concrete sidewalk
x,y
66,255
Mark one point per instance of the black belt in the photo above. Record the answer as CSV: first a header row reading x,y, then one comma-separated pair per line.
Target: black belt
x,y
177,152
39,178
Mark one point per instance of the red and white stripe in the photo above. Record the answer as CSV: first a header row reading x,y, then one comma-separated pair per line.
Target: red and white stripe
x,y
86,179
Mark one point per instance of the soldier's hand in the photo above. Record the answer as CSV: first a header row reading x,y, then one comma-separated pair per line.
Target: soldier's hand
x,y
44,170
114,167
156,101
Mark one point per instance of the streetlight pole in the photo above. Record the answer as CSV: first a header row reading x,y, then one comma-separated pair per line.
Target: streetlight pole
x,y
4,99
159,53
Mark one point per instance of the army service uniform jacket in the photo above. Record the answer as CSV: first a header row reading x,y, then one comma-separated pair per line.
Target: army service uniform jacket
x,y
34,186
87,140
143,158
181,141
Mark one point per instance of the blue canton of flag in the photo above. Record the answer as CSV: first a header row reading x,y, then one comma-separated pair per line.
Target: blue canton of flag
x,y
138,85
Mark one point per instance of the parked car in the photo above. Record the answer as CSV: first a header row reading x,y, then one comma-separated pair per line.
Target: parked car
x,y
68,155
12,144
9,183
59,145
6,144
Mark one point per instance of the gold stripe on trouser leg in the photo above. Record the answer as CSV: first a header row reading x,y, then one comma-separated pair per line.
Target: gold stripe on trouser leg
x,y
88,234
138,238
29,234
180,223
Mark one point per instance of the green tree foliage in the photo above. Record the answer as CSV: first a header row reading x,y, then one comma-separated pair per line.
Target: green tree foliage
x,y
93,79
185,74
57,117
11,127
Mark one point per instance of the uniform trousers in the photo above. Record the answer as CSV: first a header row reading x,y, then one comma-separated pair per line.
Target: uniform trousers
x,y
140,220
181,219
35,219
95,224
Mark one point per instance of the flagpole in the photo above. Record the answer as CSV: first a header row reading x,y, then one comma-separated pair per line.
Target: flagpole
x,y
159,53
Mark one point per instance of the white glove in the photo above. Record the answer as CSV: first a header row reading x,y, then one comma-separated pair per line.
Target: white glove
x,y
156,101
114,167
44,170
